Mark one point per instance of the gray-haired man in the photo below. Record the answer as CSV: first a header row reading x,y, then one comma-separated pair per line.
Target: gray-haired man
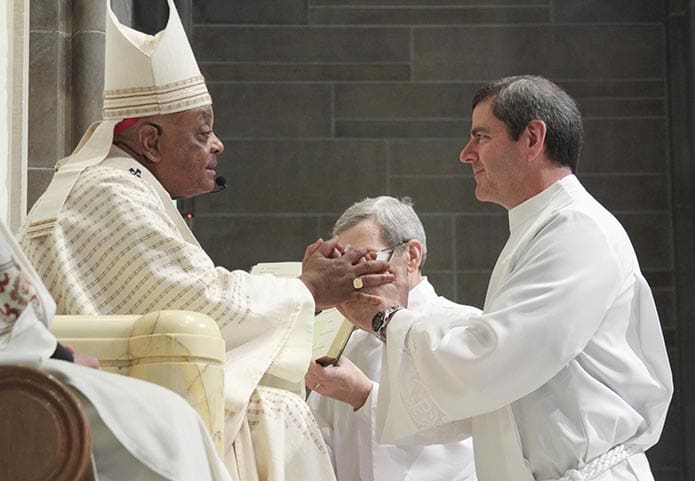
x,y
344,402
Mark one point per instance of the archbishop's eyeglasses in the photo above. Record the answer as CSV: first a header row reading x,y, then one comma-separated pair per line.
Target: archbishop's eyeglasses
x,y
386,253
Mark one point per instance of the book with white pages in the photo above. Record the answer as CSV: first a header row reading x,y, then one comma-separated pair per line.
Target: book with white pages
x,y
331,329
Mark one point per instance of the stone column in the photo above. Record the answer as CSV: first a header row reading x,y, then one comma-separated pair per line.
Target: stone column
x,y
49,91
66,79
13,139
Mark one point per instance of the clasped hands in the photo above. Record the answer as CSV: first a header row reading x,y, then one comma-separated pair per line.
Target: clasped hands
x,y
336,275
329,271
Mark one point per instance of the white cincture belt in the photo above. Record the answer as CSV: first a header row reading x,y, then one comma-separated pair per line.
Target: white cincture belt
x,y
599,465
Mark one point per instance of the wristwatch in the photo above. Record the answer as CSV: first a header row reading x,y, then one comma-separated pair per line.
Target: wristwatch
x,y
381,319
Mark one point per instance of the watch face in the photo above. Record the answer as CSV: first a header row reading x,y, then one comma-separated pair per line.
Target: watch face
x,y
378,321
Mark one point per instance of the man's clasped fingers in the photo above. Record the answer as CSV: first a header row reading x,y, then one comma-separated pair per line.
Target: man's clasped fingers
x,y
373,280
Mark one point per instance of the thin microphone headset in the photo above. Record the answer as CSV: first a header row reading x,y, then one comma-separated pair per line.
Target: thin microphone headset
x,y
221,184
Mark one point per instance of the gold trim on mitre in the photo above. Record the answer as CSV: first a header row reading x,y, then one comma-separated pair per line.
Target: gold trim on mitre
x,y
150,75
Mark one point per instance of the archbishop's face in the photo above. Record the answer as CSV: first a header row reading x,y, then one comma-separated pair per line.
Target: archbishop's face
x,y
189,150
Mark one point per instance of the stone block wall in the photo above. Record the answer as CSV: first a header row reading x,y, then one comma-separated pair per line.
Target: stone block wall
x,y
323,102
681,108
66,79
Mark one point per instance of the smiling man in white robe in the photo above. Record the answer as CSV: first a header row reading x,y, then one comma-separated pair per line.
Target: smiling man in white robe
x,y
106,239
564,375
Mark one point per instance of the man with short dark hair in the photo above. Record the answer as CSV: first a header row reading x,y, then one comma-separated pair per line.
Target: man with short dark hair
x,y
564,375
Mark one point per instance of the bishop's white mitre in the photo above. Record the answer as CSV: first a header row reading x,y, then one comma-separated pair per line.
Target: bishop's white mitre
x,y
144,75
147,75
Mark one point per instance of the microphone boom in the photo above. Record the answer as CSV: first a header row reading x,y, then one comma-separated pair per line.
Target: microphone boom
x,y
221,184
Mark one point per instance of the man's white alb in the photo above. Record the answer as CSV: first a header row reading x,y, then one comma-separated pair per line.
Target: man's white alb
x,y
569,343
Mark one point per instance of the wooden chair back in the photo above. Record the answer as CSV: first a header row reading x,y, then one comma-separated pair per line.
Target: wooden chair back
x,y
44,434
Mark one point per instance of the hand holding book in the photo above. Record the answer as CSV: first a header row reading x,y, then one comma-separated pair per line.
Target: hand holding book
x,y
343,382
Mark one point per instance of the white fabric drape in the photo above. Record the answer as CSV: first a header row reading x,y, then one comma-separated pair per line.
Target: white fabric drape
x,y
350,434
568,343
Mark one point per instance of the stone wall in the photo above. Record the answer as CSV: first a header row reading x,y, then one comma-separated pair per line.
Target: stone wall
x,y
323,102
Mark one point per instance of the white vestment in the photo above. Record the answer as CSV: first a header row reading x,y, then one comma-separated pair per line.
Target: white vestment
x,y
567,358
350,434
119,246
139,430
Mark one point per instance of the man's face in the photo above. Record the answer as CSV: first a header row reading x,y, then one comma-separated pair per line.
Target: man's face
x,y
189,150
496,159
367,234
